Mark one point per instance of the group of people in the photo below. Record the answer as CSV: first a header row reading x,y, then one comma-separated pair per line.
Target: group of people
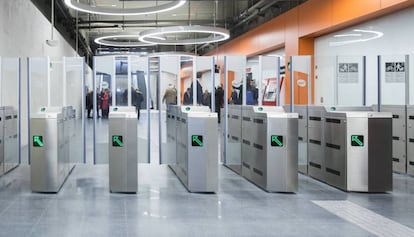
x,y
103,101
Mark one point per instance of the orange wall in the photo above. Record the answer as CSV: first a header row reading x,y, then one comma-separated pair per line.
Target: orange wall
x,y
296,29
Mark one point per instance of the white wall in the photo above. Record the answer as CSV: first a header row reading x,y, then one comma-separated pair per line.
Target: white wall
x,y
23,33
397,39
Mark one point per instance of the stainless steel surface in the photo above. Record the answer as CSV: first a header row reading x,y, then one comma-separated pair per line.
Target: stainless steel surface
x,y
49,149
302,111
123,150
410,139
273,168
2,140
316,142
10,139
365,167
196,157
399,133
234,145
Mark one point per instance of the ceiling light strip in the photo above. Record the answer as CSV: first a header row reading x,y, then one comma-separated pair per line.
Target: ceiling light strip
x,y
216,35
104,40
123,11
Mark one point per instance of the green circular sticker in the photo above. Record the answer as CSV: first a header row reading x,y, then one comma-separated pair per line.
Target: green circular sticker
x,y
43,109
333,108
187,108
115,109
260,108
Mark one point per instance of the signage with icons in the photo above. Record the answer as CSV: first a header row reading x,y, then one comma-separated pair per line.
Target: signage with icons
x,y
117,141
197,140
276,140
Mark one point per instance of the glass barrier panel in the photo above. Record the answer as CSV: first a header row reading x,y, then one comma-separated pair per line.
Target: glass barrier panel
x,y
234,89
74,94
140,99
301,94
174,72
10,113
104,77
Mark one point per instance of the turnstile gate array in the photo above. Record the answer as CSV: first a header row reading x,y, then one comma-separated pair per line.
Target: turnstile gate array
x,y
8,139
410,139
270,148
123,150
358,150
399,136
192,140
50,133
350,148
234,137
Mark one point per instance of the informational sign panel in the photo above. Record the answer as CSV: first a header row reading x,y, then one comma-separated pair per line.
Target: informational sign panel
x,y
395,72
348,72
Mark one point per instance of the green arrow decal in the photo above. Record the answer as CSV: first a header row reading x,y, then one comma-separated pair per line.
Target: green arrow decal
x,y
356,140
117,141
197,140
38,141
275,139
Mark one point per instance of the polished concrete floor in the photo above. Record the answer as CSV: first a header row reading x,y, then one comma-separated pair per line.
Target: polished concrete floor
x,y
163,207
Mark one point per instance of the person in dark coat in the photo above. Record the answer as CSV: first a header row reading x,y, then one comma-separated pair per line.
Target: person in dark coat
x,y
219,101
137,98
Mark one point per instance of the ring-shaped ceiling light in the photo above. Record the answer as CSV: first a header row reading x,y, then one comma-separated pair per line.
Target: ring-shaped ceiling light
x,y
124,11
152,36
115,43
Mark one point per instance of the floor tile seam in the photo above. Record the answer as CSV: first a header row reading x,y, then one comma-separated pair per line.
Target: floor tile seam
x,y
40,217
9,206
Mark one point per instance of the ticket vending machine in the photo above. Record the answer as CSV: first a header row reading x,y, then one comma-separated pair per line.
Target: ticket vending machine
x,y
123,150
49,162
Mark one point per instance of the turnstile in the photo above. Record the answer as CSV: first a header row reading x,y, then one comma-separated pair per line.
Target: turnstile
x,y
9,144
234,138
358,150
196,147
410,139
123,150
49,164
316,142
302,111
399,135
270,148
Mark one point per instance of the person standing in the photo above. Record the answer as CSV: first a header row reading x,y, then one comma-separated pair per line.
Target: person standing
x,y
105,103
219,100
188,99
170,96
137,99
89,103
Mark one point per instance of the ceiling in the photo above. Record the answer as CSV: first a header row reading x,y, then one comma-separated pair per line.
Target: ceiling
x,y
238,16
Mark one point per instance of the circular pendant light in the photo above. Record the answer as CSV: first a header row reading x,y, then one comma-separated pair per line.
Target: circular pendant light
x,y
214,35
124,11
117,41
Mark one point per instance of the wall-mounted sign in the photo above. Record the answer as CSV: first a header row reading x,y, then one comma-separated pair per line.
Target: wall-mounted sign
x,y
348,72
